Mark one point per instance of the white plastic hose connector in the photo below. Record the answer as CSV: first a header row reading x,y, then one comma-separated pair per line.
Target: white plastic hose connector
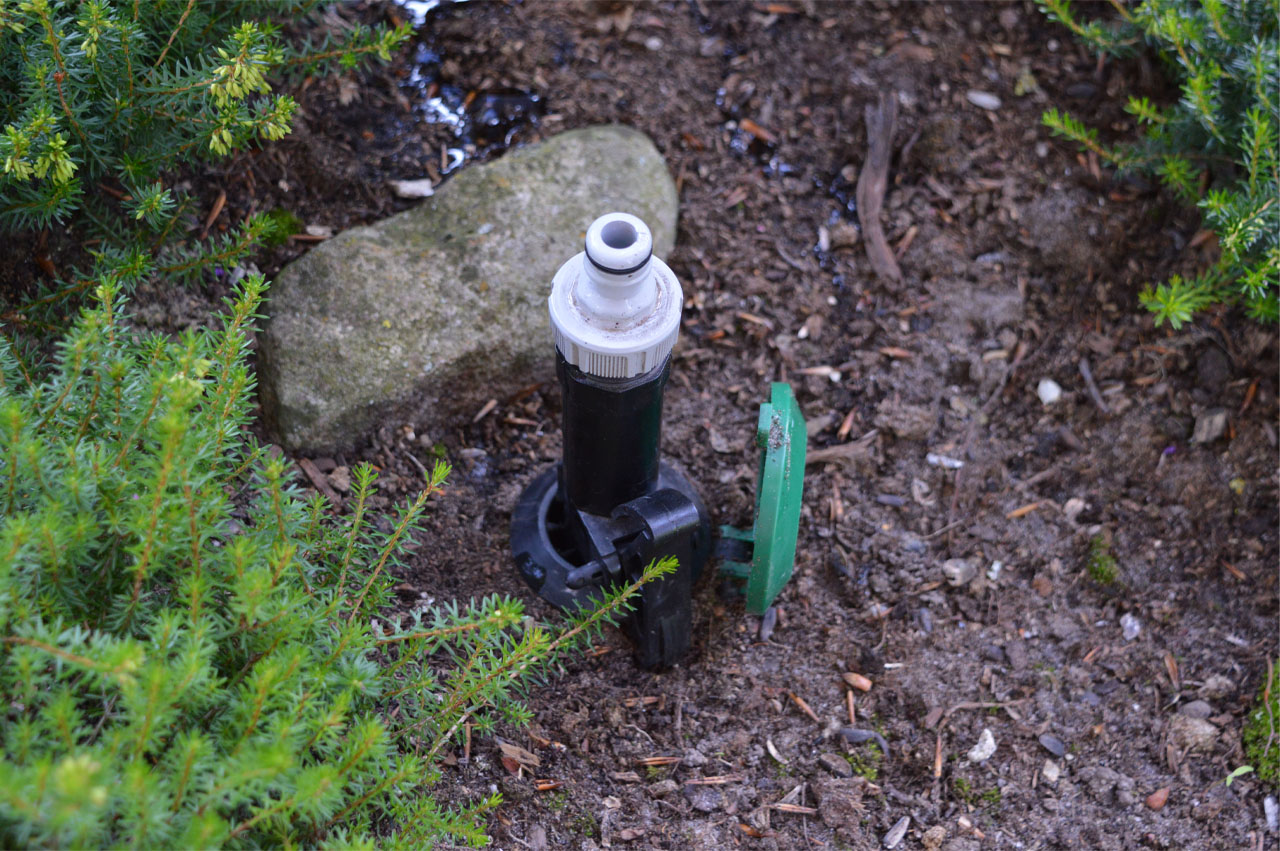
x,y
615,308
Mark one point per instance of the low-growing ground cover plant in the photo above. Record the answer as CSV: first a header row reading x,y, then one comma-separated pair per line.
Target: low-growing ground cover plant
x,y
1215,148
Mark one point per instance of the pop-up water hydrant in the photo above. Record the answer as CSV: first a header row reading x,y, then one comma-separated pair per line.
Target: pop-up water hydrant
x,y
612,506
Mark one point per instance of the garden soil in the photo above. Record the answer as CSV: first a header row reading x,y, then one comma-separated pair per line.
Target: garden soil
x,y
1080,584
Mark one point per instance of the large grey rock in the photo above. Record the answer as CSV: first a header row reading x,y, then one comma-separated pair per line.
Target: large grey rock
x,y
431,312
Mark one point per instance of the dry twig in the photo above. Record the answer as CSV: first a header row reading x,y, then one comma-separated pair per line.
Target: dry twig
x,y
874,181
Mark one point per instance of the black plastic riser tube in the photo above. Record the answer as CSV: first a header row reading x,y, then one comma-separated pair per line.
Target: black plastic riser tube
x,y
612,428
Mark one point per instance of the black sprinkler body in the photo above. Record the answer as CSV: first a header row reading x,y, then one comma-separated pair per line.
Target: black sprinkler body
x,y
611,506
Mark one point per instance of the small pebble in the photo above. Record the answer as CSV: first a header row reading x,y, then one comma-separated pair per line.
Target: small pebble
x,y
1073,508
1051,771
653,43
1048,391
1156,800
837,765
1053,744
1196,709
1130,626
986,746
934,837
421,188
1272,811
1210,426
959,571
663,788
993,572
897,832
1189,734
925,619
983,100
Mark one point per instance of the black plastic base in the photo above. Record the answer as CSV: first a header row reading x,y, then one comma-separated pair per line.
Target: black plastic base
x,y
569,557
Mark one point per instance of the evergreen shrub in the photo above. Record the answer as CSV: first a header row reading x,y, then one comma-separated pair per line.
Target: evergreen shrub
x,y
1215,148
192,654
100,100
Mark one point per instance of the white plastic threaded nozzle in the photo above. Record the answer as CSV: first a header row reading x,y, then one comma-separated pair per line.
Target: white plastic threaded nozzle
x,y
615,308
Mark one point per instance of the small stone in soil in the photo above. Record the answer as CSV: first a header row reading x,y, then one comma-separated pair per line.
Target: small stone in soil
x,y
1051,771
1196,709
1189,734
1053,744
959,571
983,100
1156,800
934,837
925,619
1210,426
340,479
1130,626
663,788
1073,508
894,837
986,746
837,765
1271,809
1049,391
421,188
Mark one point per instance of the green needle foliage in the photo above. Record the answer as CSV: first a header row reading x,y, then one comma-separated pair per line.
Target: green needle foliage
x,y
101,99
194,655
1215,148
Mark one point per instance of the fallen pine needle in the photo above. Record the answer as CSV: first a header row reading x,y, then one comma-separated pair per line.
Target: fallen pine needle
x,y
658,760
1023,510
715,780
794,808
804,707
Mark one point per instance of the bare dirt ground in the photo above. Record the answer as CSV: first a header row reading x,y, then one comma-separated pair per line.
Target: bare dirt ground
x,y
1020,262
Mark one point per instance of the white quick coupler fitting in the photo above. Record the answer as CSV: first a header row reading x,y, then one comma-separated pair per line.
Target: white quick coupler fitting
x,y
615,308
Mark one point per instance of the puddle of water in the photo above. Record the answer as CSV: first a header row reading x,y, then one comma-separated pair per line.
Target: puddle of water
x,y
487,121
419,9
495,117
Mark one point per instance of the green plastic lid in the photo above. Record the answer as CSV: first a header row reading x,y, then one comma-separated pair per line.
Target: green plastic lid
x,y
781,436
